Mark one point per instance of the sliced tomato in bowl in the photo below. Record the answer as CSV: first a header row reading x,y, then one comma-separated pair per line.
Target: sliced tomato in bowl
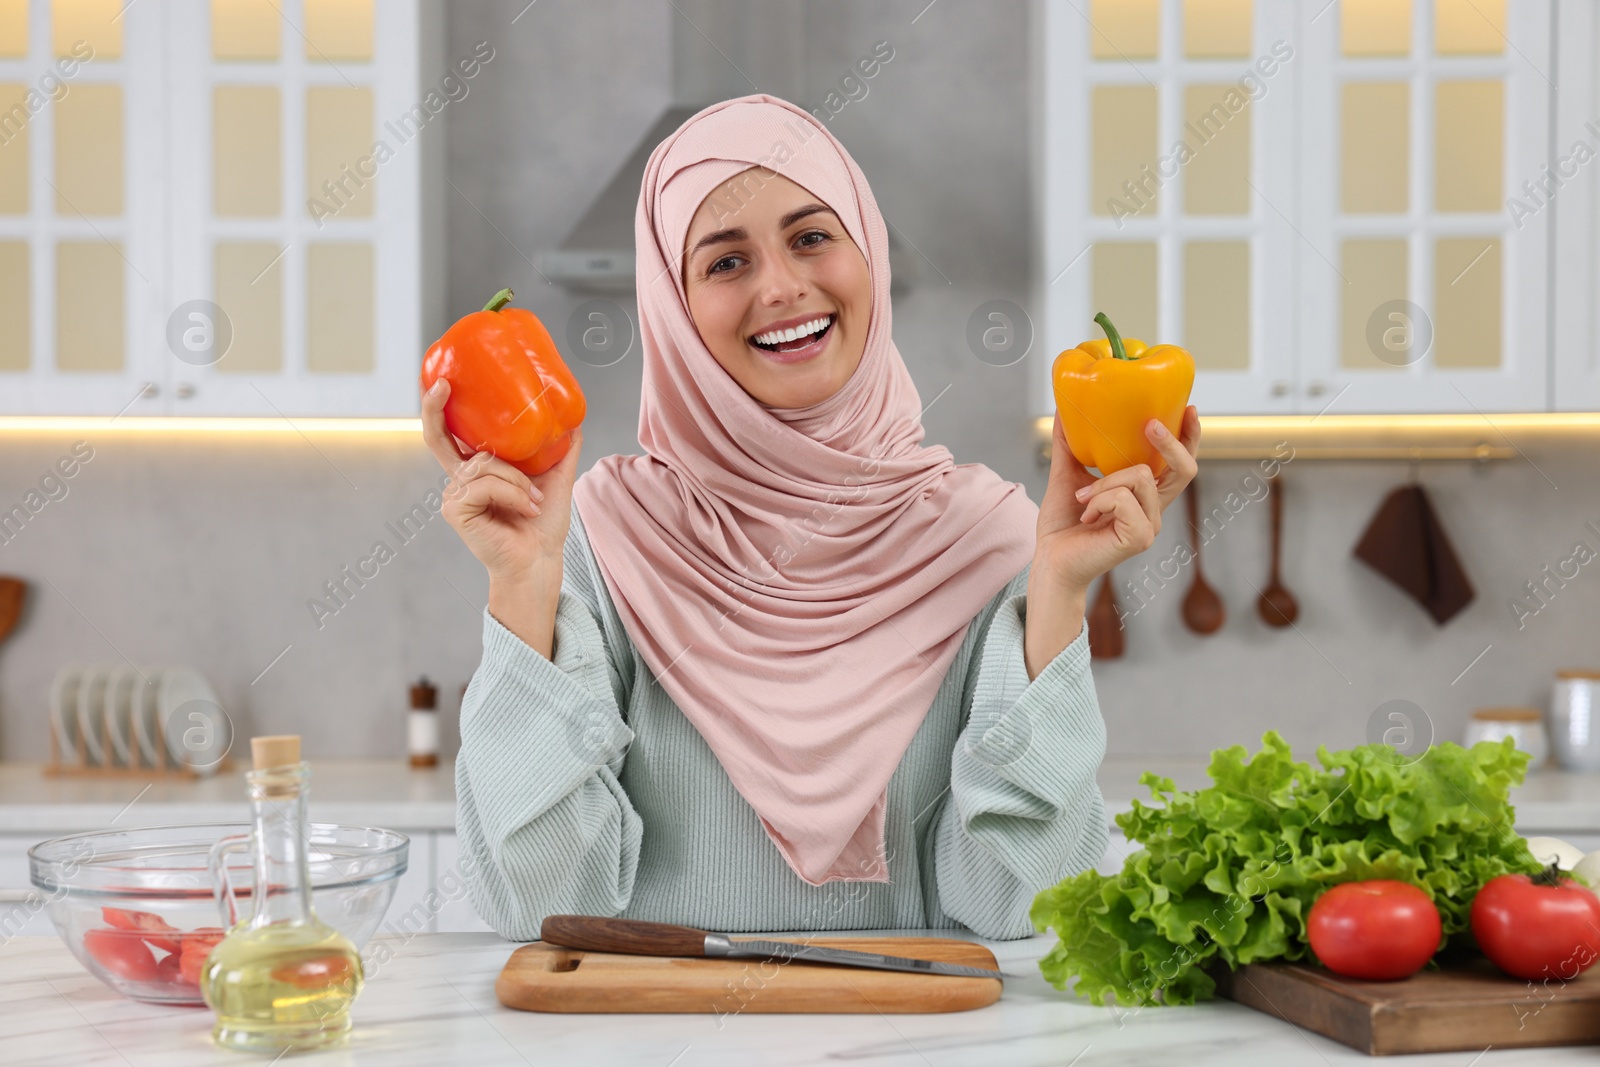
x,y
197,945
123,953
154,928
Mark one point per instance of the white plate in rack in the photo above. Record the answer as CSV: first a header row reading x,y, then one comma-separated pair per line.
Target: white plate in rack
x,y
120,685
91,713
147,715
64,710
198,732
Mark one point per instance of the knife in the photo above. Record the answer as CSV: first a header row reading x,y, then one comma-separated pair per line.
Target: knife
x,y
638,938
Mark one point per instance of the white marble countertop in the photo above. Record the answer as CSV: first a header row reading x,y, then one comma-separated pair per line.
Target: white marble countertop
x,y
433,1003
390,793
354,792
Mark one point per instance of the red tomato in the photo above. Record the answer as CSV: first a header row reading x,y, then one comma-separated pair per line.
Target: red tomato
x,y
1378,930
197,945
168,970
122,953
1537,926
155,929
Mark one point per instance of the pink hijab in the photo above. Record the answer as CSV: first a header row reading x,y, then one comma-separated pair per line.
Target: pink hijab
x,y
797,579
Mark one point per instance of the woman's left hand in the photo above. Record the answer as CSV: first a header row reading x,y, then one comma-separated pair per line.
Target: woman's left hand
x,y
1087,525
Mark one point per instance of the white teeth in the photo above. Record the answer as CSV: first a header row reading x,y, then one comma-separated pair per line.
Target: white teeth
x,y
794,333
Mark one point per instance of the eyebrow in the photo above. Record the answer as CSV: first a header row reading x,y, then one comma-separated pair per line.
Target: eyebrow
x,y
739,233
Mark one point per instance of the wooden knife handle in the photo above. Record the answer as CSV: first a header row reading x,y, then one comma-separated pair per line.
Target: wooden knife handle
x,y
630,936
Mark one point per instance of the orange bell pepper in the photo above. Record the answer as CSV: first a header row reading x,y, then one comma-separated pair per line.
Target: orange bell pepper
x,y
1108,389
510,393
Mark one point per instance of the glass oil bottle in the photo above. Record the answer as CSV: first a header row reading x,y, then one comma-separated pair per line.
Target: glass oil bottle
x,y
282,978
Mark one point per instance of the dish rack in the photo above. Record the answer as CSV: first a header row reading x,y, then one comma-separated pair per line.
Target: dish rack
x,y
122,720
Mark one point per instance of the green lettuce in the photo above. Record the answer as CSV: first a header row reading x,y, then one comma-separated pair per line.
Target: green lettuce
x,y
1227,874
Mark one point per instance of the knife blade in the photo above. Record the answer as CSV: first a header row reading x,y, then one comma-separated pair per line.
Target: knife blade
x,y
637,937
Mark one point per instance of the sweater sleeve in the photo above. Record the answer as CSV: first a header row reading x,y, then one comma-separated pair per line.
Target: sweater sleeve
x,y
543,822
1024,809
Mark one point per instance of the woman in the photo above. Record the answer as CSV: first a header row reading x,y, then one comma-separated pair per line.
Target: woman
x,y
789,669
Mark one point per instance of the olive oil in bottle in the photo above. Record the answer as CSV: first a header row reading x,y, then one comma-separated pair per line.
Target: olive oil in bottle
x,y
282,978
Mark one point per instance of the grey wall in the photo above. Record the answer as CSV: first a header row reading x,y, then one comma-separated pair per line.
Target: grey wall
x,y
205,550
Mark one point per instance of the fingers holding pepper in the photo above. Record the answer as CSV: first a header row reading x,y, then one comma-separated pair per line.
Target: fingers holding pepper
x,y
1137,480
1178,452
1132,516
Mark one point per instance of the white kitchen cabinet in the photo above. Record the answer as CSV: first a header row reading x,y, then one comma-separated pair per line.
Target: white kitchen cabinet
x,y
1576,207
432,896
1170,251
455,912
1422,288
246,226
22,908
1317,202
409,912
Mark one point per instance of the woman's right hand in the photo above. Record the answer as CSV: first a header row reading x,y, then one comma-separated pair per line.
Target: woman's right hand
x,y
514,524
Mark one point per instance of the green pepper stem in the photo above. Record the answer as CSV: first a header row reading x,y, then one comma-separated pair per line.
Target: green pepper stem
x,y
1117,348
501,299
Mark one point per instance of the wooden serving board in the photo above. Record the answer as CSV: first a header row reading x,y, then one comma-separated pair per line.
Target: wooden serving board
x,y
1459,1008
545,977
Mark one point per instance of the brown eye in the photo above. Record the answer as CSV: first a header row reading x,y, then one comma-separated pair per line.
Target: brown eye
x,y
813,233
725,259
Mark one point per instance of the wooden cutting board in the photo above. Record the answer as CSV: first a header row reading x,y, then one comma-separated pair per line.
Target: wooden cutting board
x,y
544,977
1461,1008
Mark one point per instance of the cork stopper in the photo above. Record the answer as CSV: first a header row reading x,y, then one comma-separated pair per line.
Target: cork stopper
x,y
278,750
423,695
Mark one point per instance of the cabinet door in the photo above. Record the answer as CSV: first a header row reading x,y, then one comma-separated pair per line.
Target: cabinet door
x,y
1577,206
455,911
411,911
1168,190
82,248
22,908
1424,273
294,205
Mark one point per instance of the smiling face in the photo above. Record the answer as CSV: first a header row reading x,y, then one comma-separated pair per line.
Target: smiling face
x,y
777,288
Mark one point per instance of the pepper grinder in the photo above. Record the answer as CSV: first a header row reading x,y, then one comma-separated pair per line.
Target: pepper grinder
x,y
422,725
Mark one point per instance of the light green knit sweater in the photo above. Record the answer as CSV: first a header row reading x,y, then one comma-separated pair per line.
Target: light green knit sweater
x,y
582,788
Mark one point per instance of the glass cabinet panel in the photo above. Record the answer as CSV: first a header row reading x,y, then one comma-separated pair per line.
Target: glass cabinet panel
x,y
89,307
88,170
246,29
1125,29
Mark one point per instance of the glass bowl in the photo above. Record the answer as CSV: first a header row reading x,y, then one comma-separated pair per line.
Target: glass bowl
x,y
138,909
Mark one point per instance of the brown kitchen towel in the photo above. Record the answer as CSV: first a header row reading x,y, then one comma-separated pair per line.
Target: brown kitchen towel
x,y
1405,543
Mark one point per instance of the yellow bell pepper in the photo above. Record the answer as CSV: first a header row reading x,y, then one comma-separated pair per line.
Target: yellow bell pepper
x,y
1108,389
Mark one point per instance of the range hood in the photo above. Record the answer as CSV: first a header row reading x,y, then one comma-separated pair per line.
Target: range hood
x,y
598,254
715,44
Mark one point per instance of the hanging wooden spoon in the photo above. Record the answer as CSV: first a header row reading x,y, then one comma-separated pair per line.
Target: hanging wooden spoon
x,y
1105,622
13,592
1276,605
1202,607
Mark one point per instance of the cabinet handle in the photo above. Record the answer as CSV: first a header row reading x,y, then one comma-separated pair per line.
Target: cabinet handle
x,y
1280,388
150,389
185,390
1316,388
